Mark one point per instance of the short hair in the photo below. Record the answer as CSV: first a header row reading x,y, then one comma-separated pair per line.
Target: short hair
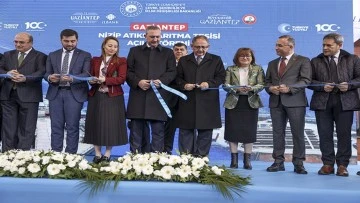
x,y
338,39
180,44
31,38
242,51
289,38
68,33
151,27
200,37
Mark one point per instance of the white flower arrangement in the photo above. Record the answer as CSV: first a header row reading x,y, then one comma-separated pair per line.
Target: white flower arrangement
x,y
96,177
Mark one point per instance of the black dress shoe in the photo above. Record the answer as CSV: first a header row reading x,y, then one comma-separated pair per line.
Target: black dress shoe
x,y
97,159
358,173
300,169
105,159
275,167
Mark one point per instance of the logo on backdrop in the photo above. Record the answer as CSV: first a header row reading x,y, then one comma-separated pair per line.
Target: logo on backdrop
x,y
131,8
110,19
35,26
218,19
249,19
287,28
85,17
326,28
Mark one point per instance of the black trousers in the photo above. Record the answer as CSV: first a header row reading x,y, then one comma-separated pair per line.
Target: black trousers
x,y
198,145
140,136
325,124
18,123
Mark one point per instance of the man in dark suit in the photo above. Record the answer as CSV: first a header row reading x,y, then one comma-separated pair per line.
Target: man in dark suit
x,y
66,94
286,80
180,50
21,93
200,113
336,77
146,63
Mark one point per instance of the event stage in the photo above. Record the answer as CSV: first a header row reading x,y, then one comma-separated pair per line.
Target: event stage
x,y
286,187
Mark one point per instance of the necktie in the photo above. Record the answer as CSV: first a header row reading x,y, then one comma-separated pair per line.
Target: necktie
x,y
65,68
65,64
333,70
21,58
282,66
198,59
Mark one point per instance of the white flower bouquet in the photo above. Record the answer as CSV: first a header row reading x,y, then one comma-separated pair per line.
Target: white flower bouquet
x,y
98,177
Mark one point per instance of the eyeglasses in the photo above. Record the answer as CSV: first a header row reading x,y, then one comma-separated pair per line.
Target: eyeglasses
x,y
152,37
19,42
282,45
245,56
201,47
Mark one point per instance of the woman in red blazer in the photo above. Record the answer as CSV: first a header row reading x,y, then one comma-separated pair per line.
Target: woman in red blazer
x,y
105,123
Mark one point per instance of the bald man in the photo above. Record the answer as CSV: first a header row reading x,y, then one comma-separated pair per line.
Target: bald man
x,y
21,93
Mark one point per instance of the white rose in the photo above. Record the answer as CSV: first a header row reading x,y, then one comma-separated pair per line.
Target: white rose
x,y
21,170
53,169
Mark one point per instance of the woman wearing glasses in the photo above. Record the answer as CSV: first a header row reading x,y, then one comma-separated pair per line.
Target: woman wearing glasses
x,y
243,81
105,118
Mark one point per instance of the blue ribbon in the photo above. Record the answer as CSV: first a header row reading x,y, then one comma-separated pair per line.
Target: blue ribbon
x,y
5,75
161,100
174,91
82,78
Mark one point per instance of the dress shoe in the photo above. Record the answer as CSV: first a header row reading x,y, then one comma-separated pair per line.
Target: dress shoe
x,y
275,167
358,173
97,159
326,170
105,159
342,171
299,169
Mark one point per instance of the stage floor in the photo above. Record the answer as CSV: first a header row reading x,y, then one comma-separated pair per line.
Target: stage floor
x,y
286,187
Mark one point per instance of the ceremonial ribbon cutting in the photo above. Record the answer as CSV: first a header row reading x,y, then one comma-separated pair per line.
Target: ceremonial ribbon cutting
x,y
161,100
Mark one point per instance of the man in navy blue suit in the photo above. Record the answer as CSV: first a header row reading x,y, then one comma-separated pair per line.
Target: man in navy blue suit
x,y
66,94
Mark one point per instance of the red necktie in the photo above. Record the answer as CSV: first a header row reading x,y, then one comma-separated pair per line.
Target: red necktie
x,y
282,67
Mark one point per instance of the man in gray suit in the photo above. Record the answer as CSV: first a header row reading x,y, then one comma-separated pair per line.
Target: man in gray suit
x,y
286,80
66,94
21,93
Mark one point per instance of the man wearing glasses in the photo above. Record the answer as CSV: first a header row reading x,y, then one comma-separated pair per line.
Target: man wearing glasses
x,y
200,114
286,79
21,93
148,63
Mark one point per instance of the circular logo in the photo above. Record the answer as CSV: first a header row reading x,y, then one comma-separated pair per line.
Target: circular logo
x,y
131,8
284,28
249,19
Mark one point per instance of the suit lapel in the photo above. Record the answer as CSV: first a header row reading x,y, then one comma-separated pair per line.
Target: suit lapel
x,y
290,63
235,72
73,59
28,57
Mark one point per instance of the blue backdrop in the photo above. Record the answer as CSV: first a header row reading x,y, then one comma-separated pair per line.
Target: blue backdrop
x,y
228,24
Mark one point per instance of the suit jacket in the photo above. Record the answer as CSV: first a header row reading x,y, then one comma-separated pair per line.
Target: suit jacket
x,y
256,81
297,73
144,63
348,71
79,66
202,108
115,75
33,68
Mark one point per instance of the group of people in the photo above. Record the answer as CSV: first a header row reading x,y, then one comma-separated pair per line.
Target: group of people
x,y
334,77
154,113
